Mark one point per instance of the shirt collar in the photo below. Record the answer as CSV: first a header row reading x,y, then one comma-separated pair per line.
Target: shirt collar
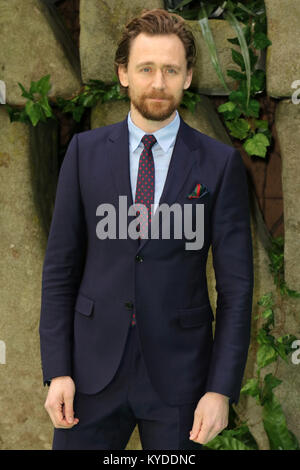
x,y
165,136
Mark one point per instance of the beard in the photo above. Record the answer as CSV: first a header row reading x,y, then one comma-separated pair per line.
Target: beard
x,y
155,110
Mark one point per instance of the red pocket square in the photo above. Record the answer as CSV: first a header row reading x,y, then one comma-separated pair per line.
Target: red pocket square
x,y
199,190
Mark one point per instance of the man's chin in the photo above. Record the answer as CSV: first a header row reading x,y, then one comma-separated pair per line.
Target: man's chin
x,y
155,117
159,115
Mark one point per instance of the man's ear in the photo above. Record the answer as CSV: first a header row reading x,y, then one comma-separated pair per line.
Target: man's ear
x,y
123,76
188,79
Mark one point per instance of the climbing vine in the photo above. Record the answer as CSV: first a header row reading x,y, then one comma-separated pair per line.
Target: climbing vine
x,y
242,109
273,345
39,105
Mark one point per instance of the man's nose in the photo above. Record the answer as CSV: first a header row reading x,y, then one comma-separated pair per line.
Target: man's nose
x,y
159,80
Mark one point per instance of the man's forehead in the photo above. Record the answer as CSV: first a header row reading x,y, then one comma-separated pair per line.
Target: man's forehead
x,y
148,50
146,40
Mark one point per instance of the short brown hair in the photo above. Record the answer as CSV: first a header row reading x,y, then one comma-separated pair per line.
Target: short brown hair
x,y
153,22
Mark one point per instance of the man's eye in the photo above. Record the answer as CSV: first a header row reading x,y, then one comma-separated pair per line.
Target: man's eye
x,y
172,70
145,69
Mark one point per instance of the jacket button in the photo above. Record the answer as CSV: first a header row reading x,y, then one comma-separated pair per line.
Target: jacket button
x,y
129,305
139,258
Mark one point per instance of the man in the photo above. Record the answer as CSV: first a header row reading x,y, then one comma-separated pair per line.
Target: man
x,y
126,323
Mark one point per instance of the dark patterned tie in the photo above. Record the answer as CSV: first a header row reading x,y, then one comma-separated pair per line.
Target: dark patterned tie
x,y
145,183
145,187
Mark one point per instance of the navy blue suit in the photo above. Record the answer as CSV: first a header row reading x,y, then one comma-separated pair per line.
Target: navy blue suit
x,y
90,286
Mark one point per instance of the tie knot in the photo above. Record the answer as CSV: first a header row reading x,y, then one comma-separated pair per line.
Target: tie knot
x,y
148,141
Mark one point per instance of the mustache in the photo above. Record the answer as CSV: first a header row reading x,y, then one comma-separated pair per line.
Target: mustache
x,y
158,97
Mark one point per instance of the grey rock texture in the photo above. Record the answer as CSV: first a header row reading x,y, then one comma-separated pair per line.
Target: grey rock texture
x,y
24,421
101,25
34,44
287,121
283,56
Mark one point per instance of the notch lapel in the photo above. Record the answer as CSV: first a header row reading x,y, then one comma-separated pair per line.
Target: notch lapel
x,y
118,161
181,163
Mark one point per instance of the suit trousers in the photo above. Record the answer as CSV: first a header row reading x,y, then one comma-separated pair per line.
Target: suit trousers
x,y
108,418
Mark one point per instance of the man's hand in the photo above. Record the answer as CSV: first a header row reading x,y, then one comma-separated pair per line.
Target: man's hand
x,y
210,417
59,402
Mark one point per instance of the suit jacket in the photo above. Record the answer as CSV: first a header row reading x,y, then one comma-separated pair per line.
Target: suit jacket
x,y
90,287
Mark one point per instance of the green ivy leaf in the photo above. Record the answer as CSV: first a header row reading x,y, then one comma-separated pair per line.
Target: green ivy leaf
x,y
260,40
108,96
266,354
239,438
25,93
281,350
266,300
270,382
238,58
88,101
251,387
228,106
258,81
236,75
230,110
292,293
280,437
253,109
42,86
268,314
77,113
189,100
284,345
263,337
261,124
238,128
257,145
225,441
34,112
45,106
70,106
238,96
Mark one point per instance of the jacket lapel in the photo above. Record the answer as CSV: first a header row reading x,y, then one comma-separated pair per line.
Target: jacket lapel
x,y
181,163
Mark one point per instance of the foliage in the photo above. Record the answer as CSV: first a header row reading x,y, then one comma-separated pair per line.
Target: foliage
x,y
276,267
93,92
270,349
37,108
239,438
241,111
38,105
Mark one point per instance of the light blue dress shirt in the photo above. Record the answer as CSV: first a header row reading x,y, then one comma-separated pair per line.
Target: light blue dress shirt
x,y
162,152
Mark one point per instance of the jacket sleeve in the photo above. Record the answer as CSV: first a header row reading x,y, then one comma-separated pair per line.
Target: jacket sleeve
x,y
233,266
62,270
